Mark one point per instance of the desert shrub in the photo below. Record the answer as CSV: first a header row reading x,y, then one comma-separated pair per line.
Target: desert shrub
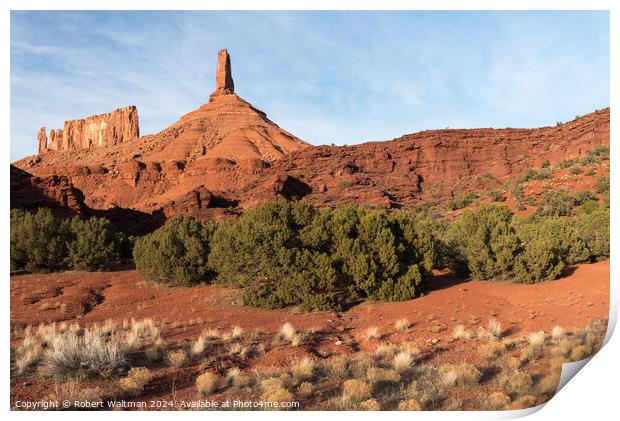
x,y
483,242
289,253
602,184
94,243
556,203
548,245
263,250
496,195
595,155
592,226
517,190
532,174
40,242
90,355
566,163
583,196
175,254
431,225
462,201
380,255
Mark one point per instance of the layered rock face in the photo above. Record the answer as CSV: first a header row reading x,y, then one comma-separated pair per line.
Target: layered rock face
x,y
434,164
96,131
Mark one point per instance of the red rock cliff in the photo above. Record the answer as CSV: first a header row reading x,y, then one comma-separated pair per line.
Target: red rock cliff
x,y
101,130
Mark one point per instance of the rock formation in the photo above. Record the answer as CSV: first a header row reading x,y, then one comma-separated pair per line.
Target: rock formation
x,y
96,131
223,75
42,138
227,156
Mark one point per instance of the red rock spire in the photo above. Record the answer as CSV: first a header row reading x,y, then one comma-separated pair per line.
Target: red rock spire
x,y
223,75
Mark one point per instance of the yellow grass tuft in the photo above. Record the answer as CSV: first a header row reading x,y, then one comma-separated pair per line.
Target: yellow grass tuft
x,y
136,380
354,390
372,333
463,374
302,369
206,383
402,324
378,374
402,361
370,405
410,405
177,359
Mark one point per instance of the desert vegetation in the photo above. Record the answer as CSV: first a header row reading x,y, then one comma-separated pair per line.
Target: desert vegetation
x,y
41,242
515,372
290,253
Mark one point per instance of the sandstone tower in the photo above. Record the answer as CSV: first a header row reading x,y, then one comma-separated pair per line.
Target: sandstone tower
x,y
224,84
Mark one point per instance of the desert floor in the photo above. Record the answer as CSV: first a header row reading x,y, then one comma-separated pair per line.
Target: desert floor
x,y
184,312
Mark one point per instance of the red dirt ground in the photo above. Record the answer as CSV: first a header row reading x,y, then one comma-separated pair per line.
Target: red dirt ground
x,y
571,302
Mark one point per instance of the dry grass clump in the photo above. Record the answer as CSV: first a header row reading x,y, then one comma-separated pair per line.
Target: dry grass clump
x,y
385,350
336,367
354,390
359,365
198,347
522,402
549,384
142,333
287,332
176,359
206,383
378,374
235,379
402,324
369,405
515,381
536,340
305,389
237,332
557,332
372,333
463,375
494,329
302,369
136,380
277,397
89,355
461,332
156,351
410,405
497,401
270,384
75,392
29,353
410,348
492,350
402,361
579,352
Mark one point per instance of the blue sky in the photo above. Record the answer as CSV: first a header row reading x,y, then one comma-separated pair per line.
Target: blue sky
x,y
327,77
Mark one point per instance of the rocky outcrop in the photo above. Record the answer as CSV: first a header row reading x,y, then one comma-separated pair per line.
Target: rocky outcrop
x,y
42,138
224,84
96,131
54,192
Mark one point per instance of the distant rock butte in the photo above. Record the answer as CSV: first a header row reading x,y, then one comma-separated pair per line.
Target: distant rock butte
x,y
227,156
96,131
